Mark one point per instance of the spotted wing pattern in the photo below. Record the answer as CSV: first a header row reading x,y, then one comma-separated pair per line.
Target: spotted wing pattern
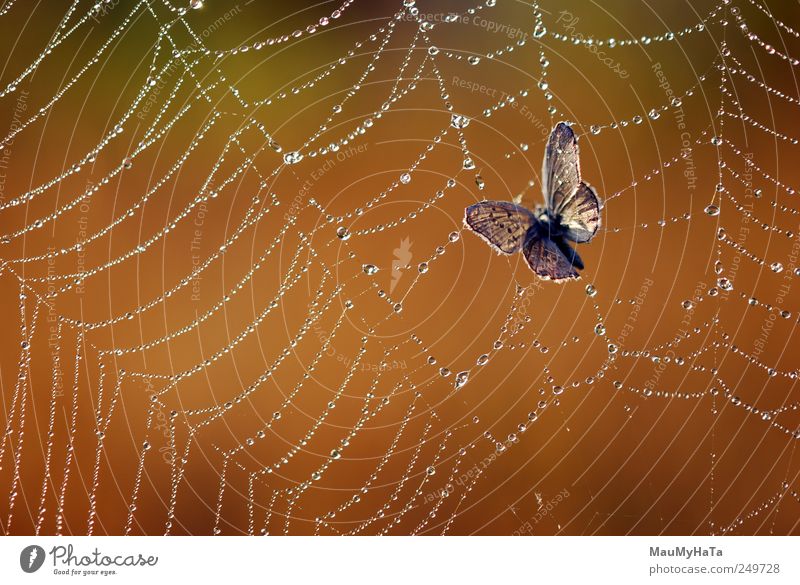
x,y
547,260
500,223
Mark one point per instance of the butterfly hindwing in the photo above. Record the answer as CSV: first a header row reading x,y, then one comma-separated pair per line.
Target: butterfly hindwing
x,y
580,214
569,252
561,173
547,260
500,223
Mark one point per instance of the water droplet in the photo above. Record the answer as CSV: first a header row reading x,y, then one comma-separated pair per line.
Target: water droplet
x,y
599,329
405,178
444,372
369,269
539,30
725,284
342,233
453,237
473,60
423,267
291,158
594,129
459,121
776,267
712,210
591,290
431,470
612,349
461,379
483,360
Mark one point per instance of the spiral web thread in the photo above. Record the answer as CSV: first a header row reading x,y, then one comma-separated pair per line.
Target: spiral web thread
x,y
425,455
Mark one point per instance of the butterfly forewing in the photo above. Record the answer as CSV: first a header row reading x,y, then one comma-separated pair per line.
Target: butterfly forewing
x,y
561,168
500,223
573,203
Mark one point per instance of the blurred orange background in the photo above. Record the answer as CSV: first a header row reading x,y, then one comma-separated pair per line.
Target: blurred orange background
x,y
695,438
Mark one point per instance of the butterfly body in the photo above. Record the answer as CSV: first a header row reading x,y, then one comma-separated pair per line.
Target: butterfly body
x,y
571,214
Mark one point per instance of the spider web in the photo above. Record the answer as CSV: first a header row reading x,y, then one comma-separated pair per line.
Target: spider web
x,y
244,302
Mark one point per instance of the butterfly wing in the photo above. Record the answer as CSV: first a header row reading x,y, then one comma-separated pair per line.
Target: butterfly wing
x,y
580,214
547,259
569,252
574,203
561,172
500,223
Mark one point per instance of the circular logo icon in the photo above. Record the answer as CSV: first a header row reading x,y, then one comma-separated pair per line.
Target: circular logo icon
x,y
31,558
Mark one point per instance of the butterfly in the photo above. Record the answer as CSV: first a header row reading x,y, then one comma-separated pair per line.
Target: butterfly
x,y
571,213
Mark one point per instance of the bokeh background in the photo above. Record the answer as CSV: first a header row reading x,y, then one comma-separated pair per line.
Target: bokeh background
x,y
701,440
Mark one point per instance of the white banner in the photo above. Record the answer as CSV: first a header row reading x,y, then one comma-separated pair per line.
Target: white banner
x,y
401,560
